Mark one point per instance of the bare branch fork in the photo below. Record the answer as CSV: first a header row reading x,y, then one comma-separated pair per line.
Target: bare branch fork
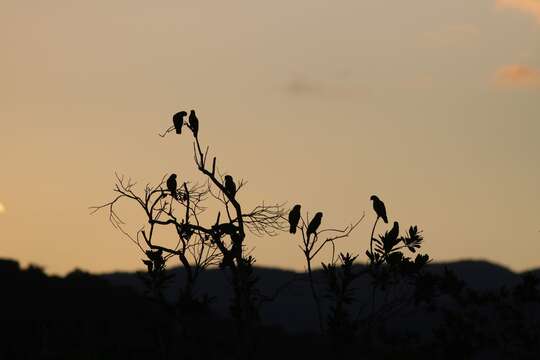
x,y
193,252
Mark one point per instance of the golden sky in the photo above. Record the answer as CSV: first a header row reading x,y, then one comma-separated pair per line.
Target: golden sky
x,y
433,106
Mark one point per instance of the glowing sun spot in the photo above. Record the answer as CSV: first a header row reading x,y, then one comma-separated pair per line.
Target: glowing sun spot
x,y
2,208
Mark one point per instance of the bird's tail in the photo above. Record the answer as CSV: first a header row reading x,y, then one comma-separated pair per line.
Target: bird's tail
x,y
293,229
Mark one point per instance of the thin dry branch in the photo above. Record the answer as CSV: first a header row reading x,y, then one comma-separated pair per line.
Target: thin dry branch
x,y
343,234
159,208
266,220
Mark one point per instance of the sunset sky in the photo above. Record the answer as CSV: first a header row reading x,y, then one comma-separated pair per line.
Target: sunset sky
x,y
433,106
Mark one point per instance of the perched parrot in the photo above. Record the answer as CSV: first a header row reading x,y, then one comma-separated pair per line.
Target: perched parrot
x,y
294,218
230,186
391,238
178,121
172,185
394,232
194,123
314,224
379,208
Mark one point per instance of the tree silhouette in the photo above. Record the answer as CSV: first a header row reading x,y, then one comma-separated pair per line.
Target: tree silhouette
x,y
200,245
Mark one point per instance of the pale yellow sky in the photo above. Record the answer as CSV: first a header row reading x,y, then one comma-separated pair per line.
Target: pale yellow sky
x,y
452,88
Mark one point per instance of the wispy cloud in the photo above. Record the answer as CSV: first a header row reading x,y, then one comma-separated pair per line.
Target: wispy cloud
x,y
529,6
303,86
518,76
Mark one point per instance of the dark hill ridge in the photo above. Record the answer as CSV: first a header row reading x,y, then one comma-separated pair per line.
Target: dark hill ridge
x,y
294,308
83,315
477,274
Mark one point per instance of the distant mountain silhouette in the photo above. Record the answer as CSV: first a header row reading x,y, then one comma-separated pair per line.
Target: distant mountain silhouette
x,y
107,316
480,275
293,309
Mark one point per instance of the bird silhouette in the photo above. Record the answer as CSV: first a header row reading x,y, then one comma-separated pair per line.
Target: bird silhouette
x,y
172,185
194,123
379,208
178,121
394,232
294,218
230,186
226,228
314,224
391,238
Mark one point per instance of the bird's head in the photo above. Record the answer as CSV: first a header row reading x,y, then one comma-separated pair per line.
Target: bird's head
x,y
374,197
319,214
173,176
192,113
296,207
180,114
228,178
